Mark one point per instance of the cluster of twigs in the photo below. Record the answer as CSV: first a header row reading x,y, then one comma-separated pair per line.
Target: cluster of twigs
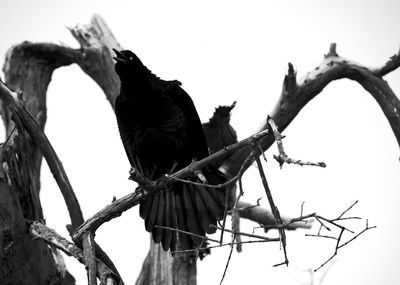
x,y
279,225
339,238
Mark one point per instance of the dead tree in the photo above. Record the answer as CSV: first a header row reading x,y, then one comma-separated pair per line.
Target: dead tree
x,y
29,67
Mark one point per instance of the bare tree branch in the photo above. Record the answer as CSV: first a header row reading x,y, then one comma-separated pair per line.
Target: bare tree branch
x,y
265,217
283,157
274,208
223,245
335,222
39,230
89,255
295,95
10,99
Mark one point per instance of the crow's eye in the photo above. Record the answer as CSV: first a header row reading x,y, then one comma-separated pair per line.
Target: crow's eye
x,y
130,58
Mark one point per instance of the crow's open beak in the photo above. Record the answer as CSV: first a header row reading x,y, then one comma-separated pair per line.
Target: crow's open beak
x,y
119,56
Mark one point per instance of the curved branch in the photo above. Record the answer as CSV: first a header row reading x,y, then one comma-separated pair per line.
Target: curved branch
x,y
295,95
10,98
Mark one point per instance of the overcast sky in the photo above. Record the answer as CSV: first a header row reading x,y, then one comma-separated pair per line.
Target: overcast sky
x,y
224,51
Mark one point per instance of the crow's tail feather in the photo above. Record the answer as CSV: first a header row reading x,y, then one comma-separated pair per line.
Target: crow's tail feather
x,y
186,207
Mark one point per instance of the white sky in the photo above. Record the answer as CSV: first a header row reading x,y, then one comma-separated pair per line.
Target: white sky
x,y
224,51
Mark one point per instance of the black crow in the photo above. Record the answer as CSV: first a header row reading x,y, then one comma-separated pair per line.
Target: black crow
x,y
162,133
218,131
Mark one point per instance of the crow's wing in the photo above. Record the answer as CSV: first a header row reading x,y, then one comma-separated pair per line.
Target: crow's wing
x,y
196,146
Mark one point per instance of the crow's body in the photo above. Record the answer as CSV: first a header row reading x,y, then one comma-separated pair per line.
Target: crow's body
x,y
161,133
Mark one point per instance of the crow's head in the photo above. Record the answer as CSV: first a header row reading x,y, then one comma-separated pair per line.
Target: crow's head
x,y
222,114
127,63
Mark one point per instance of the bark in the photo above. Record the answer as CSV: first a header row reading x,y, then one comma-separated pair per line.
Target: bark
x,y
39,230
23,260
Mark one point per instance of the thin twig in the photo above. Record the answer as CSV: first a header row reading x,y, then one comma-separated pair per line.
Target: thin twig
x,y
348,218
227,264
322,224
333,223
357,235
225,214
343,229
291,221
321,236
188,233
274,209
334,254
248,161
345,211
218,246
248,235
9,136
283,157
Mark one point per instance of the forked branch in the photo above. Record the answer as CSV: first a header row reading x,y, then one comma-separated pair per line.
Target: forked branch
x,y
39,230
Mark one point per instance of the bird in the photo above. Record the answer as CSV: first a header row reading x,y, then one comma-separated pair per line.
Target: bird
x,y
218,131
161,132
220,134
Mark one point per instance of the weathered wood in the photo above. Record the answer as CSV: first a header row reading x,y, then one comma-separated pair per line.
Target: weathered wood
x,y
39,230
89,256
23,260
296,94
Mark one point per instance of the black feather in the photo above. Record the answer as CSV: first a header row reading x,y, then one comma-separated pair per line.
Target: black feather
x,y
184,240
168,220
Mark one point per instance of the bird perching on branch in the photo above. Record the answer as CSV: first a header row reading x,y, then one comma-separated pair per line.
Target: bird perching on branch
x,y
162,133
218,131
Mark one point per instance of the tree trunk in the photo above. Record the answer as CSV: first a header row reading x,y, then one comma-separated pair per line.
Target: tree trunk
x,y
22,259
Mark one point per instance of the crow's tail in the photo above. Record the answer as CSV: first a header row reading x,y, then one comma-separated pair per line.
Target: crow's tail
x,y
186,207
